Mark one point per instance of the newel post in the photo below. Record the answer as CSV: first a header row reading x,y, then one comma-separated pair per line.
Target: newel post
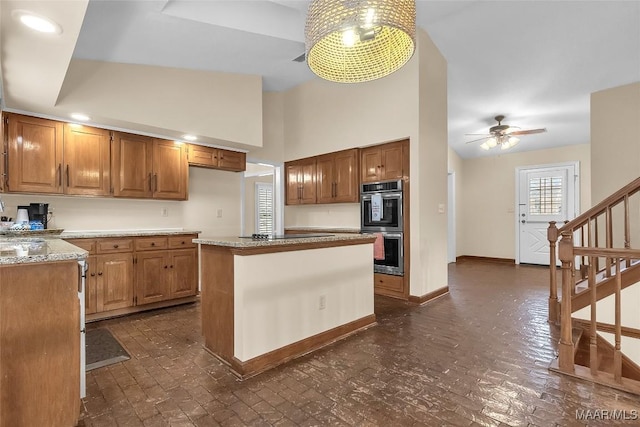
x,y
552,236
565,251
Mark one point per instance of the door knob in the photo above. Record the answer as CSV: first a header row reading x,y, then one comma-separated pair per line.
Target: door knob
x,y
523,221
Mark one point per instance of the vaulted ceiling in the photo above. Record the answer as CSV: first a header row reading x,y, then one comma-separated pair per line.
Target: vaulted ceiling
x,y
536,62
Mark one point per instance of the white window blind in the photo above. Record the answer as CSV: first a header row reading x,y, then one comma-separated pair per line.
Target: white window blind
x,y
264,208
545,195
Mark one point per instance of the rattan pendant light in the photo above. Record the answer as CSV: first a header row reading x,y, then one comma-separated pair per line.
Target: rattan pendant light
x,y
355,41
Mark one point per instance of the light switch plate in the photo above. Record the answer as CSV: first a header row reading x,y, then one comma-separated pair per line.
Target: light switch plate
x,y
441,208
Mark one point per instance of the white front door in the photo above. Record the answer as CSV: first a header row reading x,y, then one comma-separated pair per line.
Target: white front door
x,y
544,194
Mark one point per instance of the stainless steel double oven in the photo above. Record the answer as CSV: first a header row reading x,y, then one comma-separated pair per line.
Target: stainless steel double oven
x,y
381,212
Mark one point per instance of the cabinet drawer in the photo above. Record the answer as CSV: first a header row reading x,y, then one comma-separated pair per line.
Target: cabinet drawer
x,y
151,243
388,283
110,246
179,242
88,245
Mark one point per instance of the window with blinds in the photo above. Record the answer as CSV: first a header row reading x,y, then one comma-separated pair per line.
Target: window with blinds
x,y
264,208
545,195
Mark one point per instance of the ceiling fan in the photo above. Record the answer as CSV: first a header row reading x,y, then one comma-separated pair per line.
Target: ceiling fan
x,y
504,136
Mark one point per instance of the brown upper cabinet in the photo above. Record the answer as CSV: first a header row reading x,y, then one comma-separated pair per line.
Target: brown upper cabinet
x,y
145,167
383,162
301,181
34,155
46,156
217,158
86,161
337,177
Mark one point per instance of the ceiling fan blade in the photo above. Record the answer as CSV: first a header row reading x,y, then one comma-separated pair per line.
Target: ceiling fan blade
x,y
476,140
528,131
478,134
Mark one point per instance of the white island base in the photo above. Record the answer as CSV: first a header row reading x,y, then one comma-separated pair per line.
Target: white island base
x,y
264,303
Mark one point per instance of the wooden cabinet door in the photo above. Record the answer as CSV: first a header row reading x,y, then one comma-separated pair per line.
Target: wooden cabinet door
x,y
169,170
182,267
308,180
152,277
86,161
346,177
202,156
232,160
292,187
325,182
370,164
91,286
132,165
391,155
114,281
35,155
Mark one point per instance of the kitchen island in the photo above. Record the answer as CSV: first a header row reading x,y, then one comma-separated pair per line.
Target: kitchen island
x,y
265,302
39,332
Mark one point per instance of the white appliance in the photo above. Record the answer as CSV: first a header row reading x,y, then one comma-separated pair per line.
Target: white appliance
x,y
22,216
82,271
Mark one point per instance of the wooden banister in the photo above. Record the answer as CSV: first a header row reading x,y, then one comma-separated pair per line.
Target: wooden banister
x,y
617,197
565,347
552,236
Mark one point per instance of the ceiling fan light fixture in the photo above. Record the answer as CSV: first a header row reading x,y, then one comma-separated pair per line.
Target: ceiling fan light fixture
x,y
513,141
485,146
354,41
491,142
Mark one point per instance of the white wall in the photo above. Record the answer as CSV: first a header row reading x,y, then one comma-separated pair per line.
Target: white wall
x,y
209,190
281,292
486,211
615,139
218,107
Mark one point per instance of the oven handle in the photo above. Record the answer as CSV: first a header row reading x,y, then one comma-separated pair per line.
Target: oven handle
x,y
367,196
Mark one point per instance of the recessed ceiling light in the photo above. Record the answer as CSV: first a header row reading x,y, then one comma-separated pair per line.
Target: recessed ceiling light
x,y
80,117
190,137
37,22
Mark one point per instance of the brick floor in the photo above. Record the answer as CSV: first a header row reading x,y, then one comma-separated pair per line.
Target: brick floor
x,y
477,356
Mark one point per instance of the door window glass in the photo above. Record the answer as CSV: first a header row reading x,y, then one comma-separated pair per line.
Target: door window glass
x,y
545,195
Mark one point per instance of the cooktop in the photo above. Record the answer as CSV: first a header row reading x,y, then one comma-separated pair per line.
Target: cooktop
x,y
258,236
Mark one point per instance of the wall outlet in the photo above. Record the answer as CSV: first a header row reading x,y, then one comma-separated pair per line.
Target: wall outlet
x,y
441,208
322,303
164,212
219,213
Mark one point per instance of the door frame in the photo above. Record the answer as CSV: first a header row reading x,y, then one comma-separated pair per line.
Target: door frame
x,y
533,168
451,217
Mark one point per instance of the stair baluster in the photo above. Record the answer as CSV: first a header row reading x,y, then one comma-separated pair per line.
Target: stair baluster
x,y
565,356
593,342
552,235
617,356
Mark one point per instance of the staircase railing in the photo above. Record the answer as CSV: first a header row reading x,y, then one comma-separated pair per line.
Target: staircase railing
x,y
587,229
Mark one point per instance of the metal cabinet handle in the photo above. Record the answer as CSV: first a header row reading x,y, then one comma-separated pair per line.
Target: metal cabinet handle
x,y
93,274
115,246
155,182
153,243
171,266
59,174
166,266
150,178
67,172
100,273
183,242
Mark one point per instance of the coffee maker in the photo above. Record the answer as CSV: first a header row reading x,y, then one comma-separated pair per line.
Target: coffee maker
x,y
38,212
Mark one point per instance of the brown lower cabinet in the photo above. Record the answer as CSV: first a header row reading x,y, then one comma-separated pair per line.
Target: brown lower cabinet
x,y
389,285
39,344
130,274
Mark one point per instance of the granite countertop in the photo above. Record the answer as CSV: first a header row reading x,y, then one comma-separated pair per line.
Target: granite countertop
x,y
21,250
239,242
324,229
88,234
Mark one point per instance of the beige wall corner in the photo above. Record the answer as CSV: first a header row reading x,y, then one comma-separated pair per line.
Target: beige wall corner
x,y
487,221
615,139
429,154
215,106
272,149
